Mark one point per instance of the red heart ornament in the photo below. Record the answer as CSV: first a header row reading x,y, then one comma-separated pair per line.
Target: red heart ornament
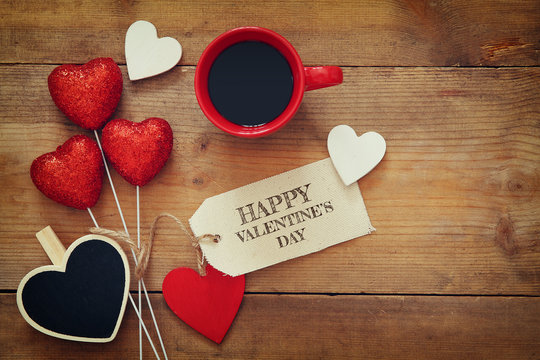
x,y
72,175
137,150
87,94
208,304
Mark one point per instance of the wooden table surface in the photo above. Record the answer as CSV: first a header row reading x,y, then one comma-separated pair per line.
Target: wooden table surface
x,y
453,270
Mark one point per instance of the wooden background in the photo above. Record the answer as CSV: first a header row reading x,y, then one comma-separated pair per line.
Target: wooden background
x,y
453,270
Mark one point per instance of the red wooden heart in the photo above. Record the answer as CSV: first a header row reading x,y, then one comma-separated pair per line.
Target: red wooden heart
x,y
137,150
208,304
72,175
87,94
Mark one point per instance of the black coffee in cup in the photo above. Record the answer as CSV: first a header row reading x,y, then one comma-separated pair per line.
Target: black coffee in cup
x,y
250,83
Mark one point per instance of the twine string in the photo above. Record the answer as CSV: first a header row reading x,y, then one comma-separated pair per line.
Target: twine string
x,y
143,254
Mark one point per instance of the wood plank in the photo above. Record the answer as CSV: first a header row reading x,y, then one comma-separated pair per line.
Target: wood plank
x,y
455,200
350,32
313,326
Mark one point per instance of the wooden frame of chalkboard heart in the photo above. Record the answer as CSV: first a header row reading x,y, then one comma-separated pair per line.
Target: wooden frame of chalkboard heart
x,y
84,251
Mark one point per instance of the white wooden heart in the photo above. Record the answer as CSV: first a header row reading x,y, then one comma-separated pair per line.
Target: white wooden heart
x,y
146,54
353,156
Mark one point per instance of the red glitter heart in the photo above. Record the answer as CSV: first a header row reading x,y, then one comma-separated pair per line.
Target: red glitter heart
x,y
72,175
208,304
88,94
137,150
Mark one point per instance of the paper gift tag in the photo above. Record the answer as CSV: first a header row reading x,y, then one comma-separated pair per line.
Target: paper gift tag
x,y
81,297
280,218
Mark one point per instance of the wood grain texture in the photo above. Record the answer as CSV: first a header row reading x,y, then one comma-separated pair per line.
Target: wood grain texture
x,y
453,86
350,32
455,200
316,327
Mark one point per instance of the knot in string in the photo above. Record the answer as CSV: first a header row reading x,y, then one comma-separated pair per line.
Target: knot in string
x,y
142,254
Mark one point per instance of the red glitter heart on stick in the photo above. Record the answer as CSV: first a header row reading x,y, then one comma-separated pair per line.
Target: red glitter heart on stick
x,y
137,151
87,94
206,303
72,175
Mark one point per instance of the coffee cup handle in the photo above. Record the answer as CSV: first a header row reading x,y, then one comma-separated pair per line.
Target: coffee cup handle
x,y
318,77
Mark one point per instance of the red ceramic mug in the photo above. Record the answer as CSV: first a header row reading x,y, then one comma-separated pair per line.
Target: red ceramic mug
x,y
304,79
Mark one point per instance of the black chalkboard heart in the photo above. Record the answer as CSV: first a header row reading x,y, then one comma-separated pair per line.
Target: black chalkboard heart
x,y
84,297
